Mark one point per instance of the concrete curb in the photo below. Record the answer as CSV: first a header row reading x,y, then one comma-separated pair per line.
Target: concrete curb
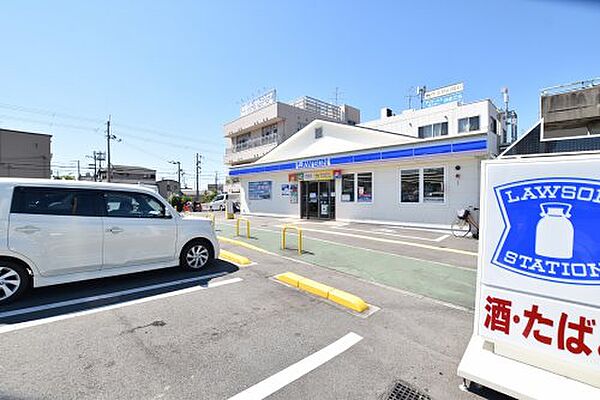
x,y
340,297
234,258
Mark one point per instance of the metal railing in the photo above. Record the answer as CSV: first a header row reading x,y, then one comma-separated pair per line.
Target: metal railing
x,y
570,87
252,143
299,233
318,106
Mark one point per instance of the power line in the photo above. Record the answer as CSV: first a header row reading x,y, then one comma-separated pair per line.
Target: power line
x,y
51,113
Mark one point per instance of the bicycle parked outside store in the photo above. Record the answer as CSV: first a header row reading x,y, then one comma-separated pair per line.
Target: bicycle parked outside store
x,y
465,223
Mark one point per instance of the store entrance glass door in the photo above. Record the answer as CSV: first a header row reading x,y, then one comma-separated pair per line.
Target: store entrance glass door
x,y
318,199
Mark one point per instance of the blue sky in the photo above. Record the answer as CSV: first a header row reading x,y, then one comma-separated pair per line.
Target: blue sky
x,y
172,72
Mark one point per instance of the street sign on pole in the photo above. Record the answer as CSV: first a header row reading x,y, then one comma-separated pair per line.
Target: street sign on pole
x,y
537,311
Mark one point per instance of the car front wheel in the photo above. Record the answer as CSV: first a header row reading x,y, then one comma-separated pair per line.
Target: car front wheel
x,y
14,280
196,255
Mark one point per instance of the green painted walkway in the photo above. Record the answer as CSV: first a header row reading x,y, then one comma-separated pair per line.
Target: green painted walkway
x,y
438,281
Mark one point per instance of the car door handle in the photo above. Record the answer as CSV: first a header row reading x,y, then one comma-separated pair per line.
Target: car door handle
x,y
28,229
115,230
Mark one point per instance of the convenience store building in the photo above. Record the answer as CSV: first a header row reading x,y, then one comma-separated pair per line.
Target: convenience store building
x,y
414,169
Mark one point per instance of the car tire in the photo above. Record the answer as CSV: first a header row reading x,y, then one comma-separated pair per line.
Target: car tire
x,y
196,255
14,281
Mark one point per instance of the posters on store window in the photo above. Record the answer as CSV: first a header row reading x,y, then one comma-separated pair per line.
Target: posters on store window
x,y
260,190
293,193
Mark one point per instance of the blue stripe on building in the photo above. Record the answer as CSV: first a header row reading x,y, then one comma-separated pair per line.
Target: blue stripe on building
x,y
473,145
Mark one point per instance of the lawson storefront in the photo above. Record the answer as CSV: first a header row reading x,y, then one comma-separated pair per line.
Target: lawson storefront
x,y
414,182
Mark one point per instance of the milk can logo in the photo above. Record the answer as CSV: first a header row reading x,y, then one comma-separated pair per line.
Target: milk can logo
x,y
551,229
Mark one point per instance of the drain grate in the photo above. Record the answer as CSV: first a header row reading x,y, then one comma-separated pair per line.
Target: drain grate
x,y
405,391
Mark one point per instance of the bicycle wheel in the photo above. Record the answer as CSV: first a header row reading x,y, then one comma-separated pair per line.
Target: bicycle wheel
x,y
460,228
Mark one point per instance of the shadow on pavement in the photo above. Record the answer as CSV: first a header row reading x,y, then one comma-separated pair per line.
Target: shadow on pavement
x,y
109,286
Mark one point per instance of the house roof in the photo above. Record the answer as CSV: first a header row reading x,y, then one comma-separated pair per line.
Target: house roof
x,y
337,138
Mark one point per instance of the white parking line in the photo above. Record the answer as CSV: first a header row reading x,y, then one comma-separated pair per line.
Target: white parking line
x,y
384,240
42,321
82,300
443,237
389,232
283,378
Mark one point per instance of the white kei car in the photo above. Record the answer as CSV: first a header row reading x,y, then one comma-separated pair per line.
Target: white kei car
x,y
54,232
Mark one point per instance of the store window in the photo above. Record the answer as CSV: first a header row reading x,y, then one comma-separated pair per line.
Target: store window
x,y
434,130
433,185
409,185
364,185
347,188
469,124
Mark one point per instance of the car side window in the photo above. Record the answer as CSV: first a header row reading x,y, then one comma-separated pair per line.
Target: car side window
x,y
133,205
55,201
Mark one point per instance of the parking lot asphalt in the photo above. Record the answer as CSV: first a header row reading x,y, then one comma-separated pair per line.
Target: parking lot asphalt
x,y
229,331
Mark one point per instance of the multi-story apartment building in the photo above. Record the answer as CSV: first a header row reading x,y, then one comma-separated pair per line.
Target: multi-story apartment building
x,y
261,128
24,154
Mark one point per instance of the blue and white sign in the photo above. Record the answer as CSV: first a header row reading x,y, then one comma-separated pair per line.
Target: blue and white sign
x,y
443,95
551,229
313,163
538,281
436,101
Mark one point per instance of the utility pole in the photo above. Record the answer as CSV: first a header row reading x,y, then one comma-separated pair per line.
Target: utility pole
x,y
109,137
217,181
78,171
95,169
198,169
108,149
178,163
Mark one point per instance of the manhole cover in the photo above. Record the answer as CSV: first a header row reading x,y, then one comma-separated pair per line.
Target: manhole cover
x,y
404,391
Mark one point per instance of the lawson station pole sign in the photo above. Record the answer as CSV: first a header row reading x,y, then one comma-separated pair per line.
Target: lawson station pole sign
x,y
537,312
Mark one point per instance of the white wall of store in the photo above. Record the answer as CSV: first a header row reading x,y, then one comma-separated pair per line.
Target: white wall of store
x,y
460,192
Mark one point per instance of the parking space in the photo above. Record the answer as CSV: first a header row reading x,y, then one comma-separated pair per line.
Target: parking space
x,y
231,332
179,342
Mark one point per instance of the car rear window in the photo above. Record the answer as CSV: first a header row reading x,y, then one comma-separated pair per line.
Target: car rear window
x,y
55,201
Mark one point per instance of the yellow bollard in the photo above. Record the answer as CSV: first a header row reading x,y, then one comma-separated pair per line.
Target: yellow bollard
x,y
237,227
298,231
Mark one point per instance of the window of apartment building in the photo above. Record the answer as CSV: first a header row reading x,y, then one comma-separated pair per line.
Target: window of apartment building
x,y
410,185
493,125
364,186
269,134
433,185
242,142
433,130
432,180
469,124
347,188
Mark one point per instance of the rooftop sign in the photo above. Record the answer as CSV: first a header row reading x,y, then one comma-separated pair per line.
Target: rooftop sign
x,y
443,95
259,102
